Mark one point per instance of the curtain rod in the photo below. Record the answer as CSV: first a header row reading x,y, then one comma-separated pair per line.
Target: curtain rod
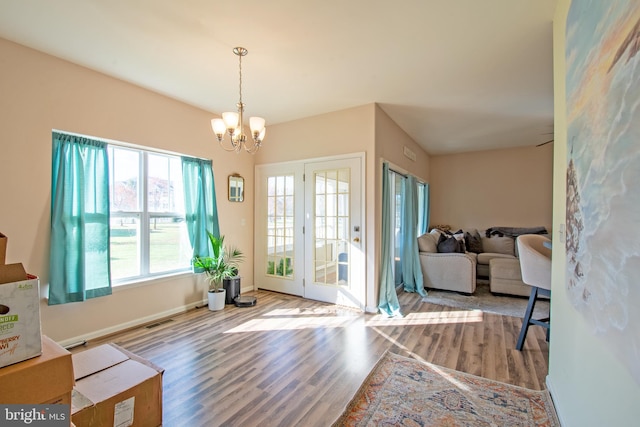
x,y
404,175
128,144
399,173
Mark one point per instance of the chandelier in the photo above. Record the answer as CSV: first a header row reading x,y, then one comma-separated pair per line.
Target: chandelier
x,y
231,122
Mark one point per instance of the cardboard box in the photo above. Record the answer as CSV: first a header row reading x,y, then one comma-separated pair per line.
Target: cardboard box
x,y
3,248
10,273
47,378
115,388
20,336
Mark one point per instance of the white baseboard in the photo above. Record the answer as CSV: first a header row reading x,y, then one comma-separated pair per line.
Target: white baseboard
x,y
131,324
148,319
553,399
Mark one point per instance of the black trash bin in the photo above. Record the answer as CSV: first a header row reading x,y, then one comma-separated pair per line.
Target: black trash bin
x,y
232,286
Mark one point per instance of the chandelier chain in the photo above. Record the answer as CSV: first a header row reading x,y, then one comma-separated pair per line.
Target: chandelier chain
x,y
240,72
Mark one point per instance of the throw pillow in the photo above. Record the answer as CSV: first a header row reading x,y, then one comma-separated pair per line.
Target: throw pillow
x,y
459,236
448,244
427,243
499,245
473,242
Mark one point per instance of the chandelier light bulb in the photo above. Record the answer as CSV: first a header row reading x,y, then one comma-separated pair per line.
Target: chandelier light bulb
x,y
230,120
256,124
219,128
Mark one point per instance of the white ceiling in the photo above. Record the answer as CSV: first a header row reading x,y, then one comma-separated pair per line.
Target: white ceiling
x,y
456,75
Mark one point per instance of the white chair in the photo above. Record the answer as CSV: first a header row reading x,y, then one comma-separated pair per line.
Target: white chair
x,y
535,263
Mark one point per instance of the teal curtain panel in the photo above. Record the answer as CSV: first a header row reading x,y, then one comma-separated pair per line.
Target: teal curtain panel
x,y
79,259
200,205
388,299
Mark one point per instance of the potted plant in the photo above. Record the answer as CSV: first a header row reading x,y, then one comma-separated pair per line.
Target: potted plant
x,y
223,264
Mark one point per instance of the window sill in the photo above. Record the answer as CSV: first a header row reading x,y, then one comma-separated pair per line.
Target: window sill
x,y
149,281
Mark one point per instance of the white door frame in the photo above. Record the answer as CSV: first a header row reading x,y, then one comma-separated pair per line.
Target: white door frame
x,y
357,272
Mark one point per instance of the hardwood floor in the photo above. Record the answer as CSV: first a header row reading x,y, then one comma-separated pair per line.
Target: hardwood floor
x,y
295,362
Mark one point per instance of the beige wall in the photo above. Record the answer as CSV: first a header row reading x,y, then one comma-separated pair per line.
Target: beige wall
x,y
589,385
341,132
41,93
509,187
337,133
390,142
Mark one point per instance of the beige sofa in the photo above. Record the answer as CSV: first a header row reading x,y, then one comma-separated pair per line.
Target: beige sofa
x,y
459,271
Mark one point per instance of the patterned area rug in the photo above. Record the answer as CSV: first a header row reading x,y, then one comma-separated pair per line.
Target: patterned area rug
x,y
482,299
405,392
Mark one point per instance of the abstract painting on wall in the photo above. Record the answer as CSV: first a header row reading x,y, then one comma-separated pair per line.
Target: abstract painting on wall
x,y
603,171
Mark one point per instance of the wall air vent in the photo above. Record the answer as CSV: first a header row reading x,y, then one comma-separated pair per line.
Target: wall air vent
x,y
409,154
162,322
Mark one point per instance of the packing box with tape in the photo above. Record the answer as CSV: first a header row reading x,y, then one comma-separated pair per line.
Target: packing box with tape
x,y
115,387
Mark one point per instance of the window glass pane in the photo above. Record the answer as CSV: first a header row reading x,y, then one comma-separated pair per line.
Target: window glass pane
x,y
343,228
164,184
271,186
144,244
280,203
344,178
289,185
125,247
397,189
288,200
169,247
331,227
320,183
332,182
279,206
319,230
343,204
280,185
320,205
124,179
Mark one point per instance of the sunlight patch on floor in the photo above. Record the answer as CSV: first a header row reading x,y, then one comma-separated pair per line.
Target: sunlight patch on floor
x,y
290,322
437,318
330,317
308,311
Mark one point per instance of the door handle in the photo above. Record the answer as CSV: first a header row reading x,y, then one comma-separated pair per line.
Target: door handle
x,y
356,239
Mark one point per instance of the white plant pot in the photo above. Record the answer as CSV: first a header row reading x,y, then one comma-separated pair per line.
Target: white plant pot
x,y
216,300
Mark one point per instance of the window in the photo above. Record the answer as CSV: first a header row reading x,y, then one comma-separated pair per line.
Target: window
x,y
397,188
423,208
397,195
148,230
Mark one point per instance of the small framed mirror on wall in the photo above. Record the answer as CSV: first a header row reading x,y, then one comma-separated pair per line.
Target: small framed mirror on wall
x,y
236,188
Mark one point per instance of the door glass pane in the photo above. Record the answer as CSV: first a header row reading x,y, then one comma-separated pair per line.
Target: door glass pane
x,y
280,226
332,226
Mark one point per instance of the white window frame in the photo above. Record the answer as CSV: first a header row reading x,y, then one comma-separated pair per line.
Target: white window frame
x,y
144,218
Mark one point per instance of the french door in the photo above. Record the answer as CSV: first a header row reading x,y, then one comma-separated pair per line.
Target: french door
x,y
309,230
279,222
